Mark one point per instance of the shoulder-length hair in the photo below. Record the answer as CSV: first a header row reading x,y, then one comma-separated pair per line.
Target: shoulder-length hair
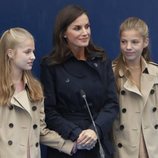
x,y
61,50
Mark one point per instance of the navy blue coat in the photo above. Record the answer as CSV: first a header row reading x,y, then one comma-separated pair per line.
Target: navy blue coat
x,y
66,111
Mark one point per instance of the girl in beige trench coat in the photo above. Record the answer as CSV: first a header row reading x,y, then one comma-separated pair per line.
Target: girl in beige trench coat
x,y
22,119
135,130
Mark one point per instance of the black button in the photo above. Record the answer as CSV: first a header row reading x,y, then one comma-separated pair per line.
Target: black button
x,y
152,91
121,76
34,126
119,145
123,92
10,142
34,108
11,107
156,126
154,109
121,127
11,125
37,144
124,110
95,64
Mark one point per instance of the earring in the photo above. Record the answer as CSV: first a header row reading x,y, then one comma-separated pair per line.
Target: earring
x,y
65,36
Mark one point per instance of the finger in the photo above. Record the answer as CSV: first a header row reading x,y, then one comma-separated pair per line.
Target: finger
x,y
81,138
85,141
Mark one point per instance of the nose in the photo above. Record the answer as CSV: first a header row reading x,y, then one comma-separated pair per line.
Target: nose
x,y
33,56
128,46
84,31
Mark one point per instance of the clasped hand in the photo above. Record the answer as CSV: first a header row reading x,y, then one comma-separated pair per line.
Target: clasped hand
x,y
87,139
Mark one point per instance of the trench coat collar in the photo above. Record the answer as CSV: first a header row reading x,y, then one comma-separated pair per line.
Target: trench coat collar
x,y
148,78
21,99
90,56
144,68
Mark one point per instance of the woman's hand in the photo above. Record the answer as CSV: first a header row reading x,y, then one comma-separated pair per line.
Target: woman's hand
x,y
87,139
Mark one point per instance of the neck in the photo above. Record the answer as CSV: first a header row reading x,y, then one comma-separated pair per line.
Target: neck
x,y
79,53
134,65
16,76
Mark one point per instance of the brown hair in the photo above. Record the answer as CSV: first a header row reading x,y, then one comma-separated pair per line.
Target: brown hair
x,y
129,24
61,50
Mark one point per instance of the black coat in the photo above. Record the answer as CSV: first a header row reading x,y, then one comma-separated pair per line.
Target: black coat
x,y
66,111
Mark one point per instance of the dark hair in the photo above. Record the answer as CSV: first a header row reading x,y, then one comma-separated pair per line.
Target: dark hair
x,y
65,17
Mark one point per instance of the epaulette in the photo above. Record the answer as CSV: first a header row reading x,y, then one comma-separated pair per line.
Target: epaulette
x,y
153,63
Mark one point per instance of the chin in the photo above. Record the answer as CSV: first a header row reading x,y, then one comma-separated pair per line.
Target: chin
x,y
130,58
29,68
84,45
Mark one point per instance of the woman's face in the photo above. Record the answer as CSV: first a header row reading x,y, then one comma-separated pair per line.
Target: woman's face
x,y
22,56
78,32
132,45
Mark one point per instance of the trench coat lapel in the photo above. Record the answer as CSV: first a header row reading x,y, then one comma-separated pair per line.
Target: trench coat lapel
x,y
21,100
147,84
129,86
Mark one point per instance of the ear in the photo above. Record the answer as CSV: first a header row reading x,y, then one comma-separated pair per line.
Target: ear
x,y
10,53
146,42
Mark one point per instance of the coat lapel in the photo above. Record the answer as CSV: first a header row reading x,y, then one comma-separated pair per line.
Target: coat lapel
x,y
131,87
21,100
147,84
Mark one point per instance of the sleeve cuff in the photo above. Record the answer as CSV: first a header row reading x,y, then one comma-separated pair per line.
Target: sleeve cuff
x,y
74,134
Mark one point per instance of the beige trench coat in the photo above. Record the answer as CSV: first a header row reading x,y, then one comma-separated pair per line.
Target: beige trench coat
x,y
137,108
22,127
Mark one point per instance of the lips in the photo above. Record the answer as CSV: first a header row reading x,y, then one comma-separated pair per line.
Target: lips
x,y
84,39
129,53
30,63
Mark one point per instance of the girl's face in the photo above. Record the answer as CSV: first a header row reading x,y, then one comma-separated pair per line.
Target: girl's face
x,y
78,32
22,56
132,45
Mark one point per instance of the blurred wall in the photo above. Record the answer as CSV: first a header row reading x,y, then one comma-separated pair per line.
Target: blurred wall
x,y
38,17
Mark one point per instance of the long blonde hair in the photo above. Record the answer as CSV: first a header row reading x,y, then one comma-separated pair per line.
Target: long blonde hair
x,y
119,63
9,40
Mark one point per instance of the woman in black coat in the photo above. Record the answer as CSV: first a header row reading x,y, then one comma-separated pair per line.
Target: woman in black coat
x,y
76,65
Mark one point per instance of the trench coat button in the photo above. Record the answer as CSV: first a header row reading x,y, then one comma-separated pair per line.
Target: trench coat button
x,y
156,126
34,108
67,80
124,110
10,142
11,125
37,144
95,64
152,91
119,145
154,109
11,107
121,127
123,92
34,126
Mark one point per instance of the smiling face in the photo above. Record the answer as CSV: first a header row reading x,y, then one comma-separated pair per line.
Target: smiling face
x,y
78,33
22,56
132,45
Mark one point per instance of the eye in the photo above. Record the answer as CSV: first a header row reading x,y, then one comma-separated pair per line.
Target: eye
x,y
135,41
123,42
87,26
28,51
77,28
